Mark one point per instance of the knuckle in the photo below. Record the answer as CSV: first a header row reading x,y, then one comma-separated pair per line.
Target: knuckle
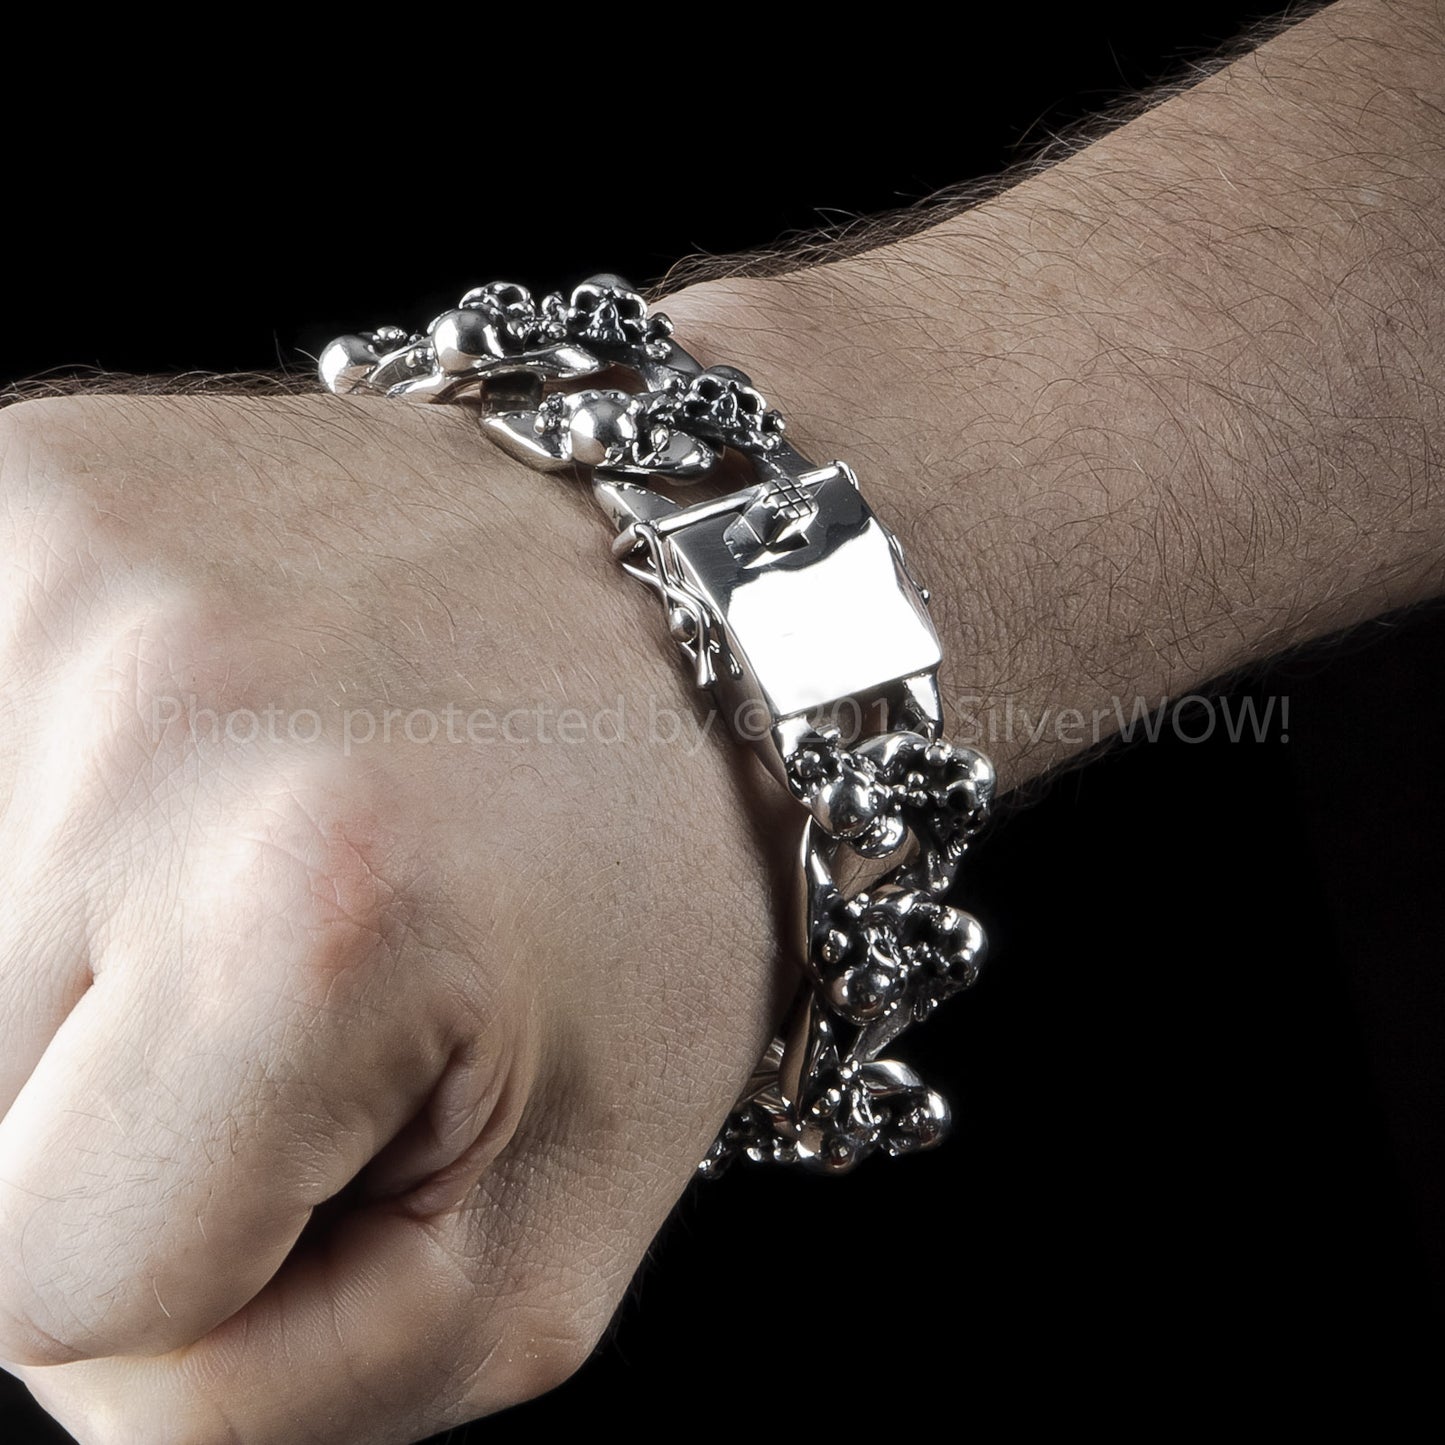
x,y
121,702
538,1349
99,1415
130,693
50,573
317,846
96,634
59,1305
24,429
554,1353
28,1340
29,1333
51,448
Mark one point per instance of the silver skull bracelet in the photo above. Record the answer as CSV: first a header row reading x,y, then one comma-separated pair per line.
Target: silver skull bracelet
x,y
793,604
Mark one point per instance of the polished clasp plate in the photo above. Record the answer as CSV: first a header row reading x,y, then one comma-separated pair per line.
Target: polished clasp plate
x,y
790,600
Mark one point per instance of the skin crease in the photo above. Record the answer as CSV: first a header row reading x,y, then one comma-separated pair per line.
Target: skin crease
x,y
1191,378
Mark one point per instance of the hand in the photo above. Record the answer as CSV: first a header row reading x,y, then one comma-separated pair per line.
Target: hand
x,y
349,1068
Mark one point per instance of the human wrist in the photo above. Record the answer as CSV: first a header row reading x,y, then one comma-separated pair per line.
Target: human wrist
x,y
1131,437
877,374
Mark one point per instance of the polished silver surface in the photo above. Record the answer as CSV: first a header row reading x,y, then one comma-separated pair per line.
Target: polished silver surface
x,y
792,602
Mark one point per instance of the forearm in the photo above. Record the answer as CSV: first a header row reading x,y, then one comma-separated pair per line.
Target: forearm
x,y
1169,406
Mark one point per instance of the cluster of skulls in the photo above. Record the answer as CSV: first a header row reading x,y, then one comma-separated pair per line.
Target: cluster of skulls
x,y
608,428
882,958
502,327
871,796
895,947
852,1110
724,406
503,320
899,946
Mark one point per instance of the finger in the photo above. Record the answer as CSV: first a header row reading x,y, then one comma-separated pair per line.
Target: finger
x,y
44,934
63,717
394,1327
192,1111
365,1343
44,970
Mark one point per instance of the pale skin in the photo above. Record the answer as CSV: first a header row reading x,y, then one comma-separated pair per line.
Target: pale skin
x,y
1168,406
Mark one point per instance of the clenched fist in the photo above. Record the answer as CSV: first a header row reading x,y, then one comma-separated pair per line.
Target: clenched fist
x,y
374,972
385,933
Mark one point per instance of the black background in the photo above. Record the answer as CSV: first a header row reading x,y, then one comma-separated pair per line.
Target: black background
x,y
1199,1163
